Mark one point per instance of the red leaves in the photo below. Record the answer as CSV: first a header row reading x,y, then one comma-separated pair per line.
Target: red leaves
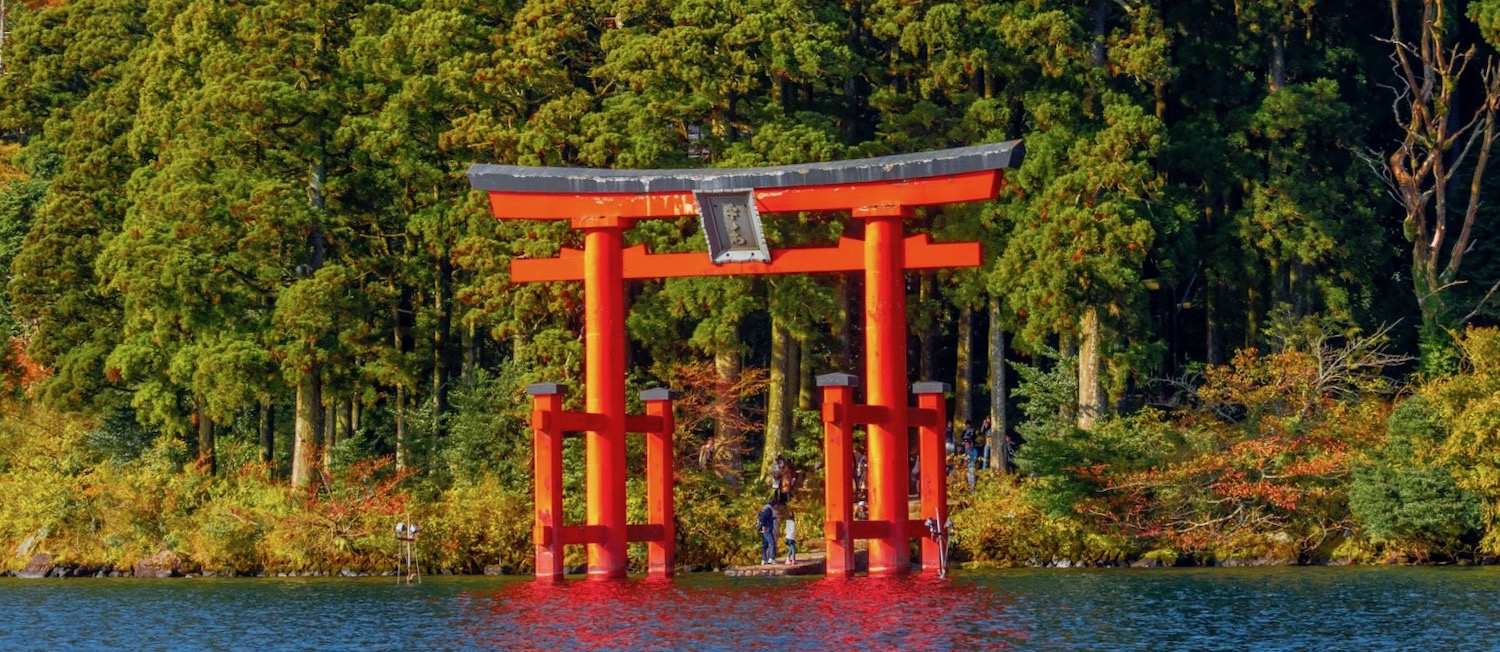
x,y
1266,455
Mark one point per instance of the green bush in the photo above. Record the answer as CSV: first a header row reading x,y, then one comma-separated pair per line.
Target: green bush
x,y
714,526
1000,524
1404,496
478,524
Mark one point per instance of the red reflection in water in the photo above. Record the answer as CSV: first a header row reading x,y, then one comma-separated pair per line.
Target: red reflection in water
x,y
861,613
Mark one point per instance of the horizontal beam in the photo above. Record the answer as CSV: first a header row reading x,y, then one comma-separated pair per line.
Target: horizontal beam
x,y
854,197
645,532
567,421
860,414
580,534
595,181
643,423
917,529
846,256
922,417
868,529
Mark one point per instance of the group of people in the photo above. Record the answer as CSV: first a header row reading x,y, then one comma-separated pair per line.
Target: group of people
x,y
766,524
784,480
973,447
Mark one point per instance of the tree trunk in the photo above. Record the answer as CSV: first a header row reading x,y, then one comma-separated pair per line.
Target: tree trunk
x,y
807,394
345,423
305,437
440,345
1067,349
778,407
1090,385
309,425
268,434
963,381
330,429
727,364
470,344
1277,78
998,393
927,329
793,376
844,297
3,11
206,459
400,409
315,178
1211,338
1099,54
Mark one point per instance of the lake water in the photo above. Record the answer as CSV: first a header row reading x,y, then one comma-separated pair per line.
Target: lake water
x,y
1111,609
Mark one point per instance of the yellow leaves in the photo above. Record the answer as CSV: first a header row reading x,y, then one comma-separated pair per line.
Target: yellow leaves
x,y
1476,429
1482,351
8,171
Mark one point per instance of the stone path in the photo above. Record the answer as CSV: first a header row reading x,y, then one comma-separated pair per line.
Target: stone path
x,y
808,563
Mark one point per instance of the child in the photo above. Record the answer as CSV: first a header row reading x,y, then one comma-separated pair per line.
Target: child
x,y
791,539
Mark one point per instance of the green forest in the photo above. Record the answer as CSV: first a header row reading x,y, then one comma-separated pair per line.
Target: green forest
x,y
1236,306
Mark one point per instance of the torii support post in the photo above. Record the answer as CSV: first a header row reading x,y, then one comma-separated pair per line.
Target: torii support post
x,y
604,392
659,474
550,423
838,472
885,366
930,417
547,436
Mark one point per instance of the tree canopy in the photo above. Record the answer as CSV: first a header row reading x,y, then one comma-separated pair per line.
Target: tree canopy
x,y
248,220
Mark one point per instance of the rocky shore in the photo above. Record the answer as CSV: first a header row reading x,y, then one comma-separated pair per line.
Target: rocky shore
x,y
167,564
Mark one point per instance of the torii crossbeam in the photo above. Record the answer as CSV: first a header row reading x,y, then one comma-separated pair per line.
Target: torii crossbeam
x,y
603,204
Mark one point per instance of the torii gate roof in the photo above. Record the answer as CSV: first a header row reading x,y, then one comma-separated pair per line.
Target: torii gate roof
x,y
594,181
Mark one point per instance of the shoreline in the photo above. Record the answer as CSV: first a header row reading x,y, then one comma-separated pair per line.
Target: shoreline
x,y
97,572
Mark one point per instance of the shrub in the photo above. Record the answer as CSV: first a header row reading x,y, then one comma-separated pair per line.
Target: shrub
x,y
714,526
479,523
1001,524
1404,495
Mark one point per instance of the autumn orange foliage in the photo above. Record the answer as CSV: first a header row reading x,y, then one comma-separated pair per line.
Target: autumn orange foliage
x,y
19,371
1264,464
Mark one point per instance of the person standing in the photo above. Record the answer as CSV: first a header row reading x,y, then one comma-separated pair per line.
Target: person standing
x,y
778,480
789,480
707,453
971,453
861,467
791,539
766,523
984,451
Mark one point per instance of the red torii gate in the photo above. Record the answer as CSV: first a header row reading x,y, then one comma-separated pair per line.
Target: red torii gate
x,y
603,204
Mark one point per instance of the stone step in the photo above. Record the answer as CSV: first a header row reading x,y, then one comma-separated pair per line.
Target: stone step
x,y
778,569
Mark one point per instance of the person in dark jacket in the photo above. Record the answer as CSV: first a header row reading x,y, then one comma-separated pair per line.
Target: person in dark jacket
x,y
766,524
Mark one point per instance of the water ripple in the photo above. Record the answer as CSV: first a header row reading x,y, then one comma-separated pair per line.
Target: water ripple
x,y
1209,609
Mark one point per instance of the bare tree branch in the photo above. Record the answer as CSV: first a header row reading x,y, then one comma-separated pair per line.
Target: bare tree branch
x,y
1438,148
1475,312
